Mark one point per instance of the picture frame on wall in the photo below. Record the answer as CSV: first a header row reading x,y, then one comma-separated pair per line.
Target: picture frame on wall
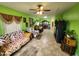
x,y
24,19
26,24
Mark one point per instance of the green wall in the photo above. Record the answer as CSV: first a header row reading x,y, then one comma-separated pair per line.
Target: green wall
x,y
72,15
1,27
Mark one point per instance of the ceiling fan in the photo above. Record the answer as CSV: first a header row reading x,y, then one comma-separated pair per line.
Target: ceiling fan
x,y
40,9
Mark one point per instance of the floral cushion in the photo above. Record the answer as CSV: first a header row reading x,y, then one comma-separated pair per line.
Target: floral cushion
x,y
7,38
2,42
13,37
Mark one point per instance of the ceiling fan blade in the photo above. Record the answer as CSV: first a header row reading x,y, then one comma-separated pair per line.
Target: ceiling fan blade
x,y
33,9
47,10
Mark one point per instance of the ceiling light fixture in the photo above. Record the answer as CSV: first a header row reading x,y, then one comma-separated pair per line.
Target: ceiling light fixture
x,y
39,12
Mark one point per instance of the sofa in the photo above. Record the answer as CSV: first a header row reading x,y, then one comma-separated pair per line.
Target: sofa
x,y
11,42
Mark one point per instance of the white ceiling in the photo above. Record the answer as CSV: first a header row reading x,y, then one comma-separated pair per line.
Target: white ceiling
x,y
55,7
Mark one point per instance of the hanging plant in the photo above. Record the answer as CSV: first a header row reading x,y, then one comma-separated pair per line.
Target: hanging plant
x,y
7,18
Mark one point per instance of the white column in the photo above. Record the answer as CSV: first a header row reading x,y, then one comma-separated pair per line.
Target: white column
x,y
52,21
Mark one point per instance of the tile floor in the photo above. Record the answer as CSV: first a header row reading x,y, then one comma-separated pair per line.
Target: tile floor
x,y
45,46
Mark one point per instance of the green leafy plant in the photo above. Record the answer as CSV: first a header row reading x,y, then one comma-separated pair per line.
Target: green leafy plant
x,y
71,34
